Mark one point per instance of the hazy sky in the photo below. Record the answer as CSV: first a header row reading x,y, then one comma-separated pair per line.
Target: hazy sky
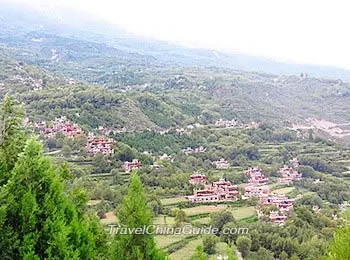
x,y
304,31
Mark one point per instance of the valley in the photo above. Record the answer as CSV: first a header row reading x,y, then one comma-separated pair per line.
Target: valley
x,y
101,129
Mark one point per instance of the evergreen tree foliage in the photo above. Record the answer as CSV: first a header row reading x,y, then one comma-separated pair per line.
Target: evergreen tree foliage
x,y
200,254
339,248
37,220
12,135
134,213
243,244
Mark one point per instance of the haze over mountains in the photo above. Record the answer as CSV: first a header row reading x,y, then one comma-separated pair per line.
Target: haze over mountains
x,y
63,62
19,19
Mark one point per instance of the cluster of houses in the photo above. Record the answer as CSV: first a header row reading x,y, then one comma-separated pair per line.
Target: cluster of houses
x,y
107,131
254,191
182,131
190,150
221,164
218,191
283,205
100,144
30,82
198,179
281,201
130,166
187,130
224,190
258,187
59,125
288,175
257,184
277,218
62,125
226,123
234,124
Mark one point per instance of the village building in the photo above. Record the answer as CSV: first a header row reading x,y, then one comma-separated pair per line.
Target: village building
x,y
257,187
226,123
252,125
60,125
222,164
130,166
256,191
180,131
100,144
282,202
277,218
288,175
109,131
219,191
164,131
295,163
40,126
256,176
197,179
190,150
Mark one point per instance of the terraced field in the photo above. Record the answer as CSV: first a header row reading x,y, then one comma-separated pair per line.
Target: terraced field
x,y
284,190
172,201
242,212
184,253
204,209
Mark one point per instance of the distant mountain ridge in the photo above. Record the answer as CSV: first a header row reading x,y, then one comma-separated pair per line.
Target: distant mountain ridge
x,y
98,74
18,18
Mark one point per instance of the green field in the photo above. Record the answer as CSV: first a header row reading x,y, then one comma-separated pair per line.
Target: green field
x,y
165,240
242,212
204,209
187,251
159,220
171,201
284,190
205,220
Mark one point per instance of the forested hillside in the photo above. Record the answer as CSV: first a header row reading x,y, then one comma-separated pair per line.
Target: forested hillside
x,y
170,97
101,130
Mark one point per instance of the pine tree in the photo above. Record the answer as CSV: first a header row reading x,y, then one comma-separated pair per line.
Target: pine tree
x,y
339,248
135,213
243,245
199,254
37,220
12,136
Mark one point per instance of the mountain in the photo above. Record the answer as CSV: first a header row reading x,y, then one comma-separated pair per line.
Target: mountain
x,y
168,97
18,19
97,74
